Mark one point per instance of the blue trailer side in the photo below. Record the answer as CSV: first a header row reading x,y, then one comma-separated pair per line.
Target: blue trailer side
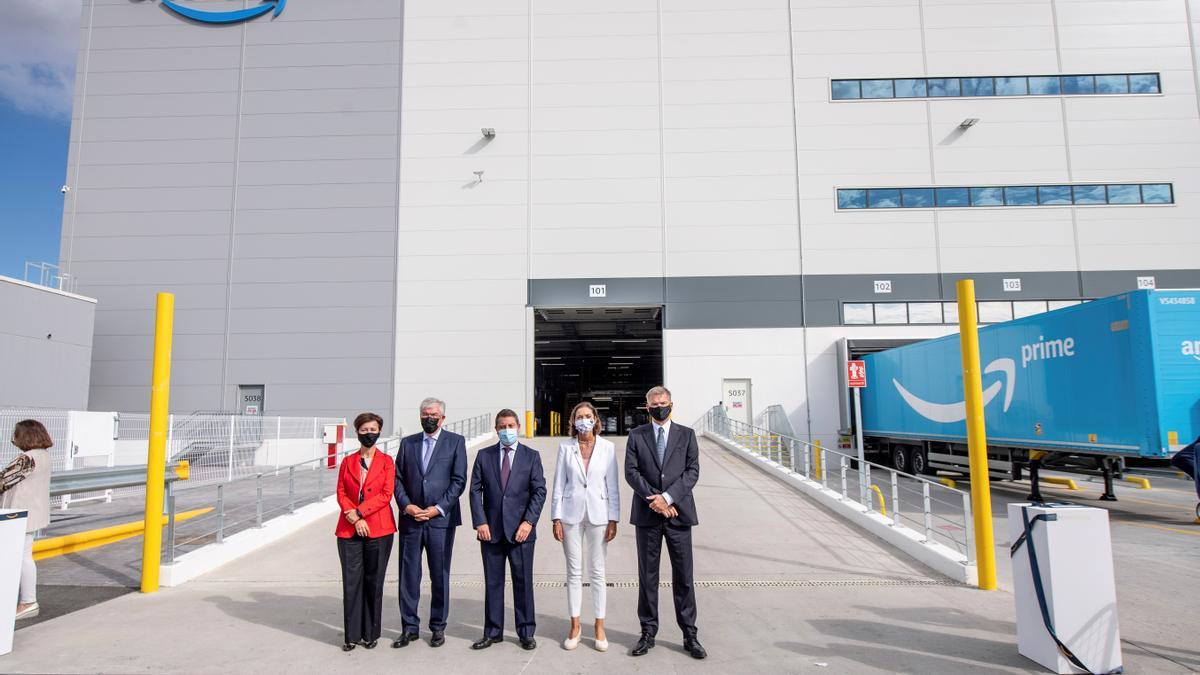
x,y
1116,377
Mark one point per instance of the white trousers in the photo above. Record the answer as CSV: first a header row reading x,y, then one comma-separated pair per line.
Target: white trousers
x,y
28,592
575,539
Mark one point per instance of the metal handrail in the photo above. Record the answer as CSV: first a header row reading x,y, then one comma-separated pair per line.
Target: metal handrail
x,y
470,427
825,466
109,478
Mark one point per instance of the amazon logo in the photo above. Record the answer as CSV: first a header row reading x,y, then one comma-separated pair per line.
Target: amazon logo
x,y
1190,348
949,413
273,7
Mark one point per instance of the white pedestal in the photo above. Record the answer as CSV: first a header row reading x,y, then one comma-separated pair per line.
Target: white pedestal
x,y
1074,556
12,546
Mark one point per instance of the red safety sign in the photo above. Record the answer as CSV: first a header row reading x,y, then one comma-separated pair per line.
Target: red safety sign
x,y
856,374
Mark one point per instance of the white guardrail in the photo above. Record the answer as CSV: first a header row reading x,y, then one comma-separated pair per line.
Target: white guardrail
x,y
929,520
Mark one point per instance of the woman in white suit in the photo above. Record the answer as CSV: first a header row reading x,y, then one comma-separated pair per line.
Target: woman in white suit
x,y
585,507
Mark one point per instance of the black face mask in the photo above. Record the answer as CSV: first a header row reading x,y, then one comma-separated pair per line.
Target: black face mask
x,y
661,414
368,440
429,424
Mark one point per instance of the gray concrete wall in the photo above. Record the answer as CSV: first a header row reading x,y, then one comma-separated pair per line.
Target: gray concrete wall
x,y
45,346
251,170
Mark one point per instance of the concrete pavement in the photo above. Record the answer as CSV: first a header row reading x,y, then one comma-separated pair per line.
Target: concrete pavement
x,y
783,587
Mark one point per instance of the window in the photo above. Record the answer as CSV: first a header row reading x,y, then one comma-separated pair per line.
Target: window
x,y
910,89
993,196
844,90
932,313
1083,84
876,88
952,197
858,313
1054,195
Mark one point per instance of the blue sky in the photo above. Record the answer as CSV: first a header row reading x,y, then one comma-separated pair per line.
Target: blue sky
x,y
38,48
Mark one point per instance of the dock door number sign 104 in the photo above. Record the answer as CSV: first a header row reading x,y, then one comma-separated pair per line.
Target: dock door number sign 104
x,y
856,374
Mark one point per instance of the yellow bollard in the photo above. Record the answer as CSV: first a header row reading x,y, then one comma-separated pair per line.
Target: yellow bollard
x,y
981,490
528,424
156,464
817,453
882,504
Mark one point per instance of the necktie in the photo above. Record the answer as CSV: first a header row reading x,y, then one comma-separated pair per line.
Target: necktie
x,y
662,444
428,452
505,469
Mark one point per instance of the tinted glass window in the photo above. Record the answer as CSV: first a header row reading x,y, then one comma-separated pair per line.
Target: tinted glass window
x,y
1124,194
1144,84
916,198
845,89
1112,84
910,89
950,309
1060,304
987,196
876,88
856,313
1089,194
1020,196
883,199
1053,195
924,312
952,197
978,86
943,87
891,312
1024,308
995,312
1044,86
1012,86
1078,84
1157,194
852,199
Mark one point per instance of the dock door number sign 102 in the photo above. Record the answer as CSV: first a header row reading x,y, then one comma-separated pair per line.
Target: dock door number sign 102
x,y
856,374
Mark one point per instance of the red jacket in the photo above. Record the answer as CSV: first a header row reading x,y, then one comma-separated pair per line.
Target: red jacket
x,y
376,506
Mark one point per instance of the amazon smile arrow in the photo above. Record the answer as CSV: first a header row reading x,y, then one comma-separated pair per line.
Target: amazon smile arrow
x,y
949,413
235,16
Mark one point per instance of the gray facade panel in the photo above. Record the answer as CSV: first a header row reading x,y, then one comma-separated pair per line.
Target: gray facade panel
x,y
620,292
318,221
861,288
159,105
1100,284
198,126
730,314
346,295
152,176
784,288
1034,285
158,151
345,269
341,123
360,146
46,343
317,172
311,345
328,101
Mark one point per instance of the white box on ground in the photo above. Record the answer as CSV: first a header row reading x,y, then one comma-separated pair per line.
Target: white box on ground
x,y
12,547
1074,559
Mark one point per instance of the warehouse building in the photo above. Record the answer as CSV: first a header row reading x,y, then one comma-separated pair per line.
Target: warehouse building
x,y
508,203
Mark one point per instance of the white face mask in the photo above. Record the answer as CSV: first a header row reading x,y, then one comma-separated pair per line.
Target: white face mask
x,y
584,425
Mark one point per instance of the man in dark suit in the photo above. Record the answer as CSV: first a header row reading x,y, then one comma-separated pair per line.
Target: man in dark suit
x,y
508,490
431,473
662,465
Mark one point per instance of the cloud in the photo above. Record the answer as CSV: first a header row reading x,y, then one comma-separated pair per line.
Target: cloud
x,y
39,41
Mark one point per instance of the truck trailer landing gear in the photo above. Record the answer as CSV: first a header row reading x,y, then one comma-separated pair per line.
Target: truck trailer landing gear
x,y
1106,465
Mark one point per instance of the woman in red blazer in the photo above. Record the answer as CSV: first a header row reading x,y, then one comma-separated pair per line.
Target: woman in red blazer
x,y
365,531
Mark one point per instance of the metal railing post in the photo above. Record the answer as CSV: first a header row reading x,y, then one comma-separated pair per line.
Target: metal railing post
x,y
170,525
822,460
278,441
895,498
968,536
807,461
220,513
258,505
928,512
864,471
320,483
843,458
231,430
291,489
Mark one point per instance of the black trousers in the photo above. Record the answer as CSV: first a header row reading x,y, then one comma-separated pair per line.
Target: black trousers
x,y
520,562
679,549
364,566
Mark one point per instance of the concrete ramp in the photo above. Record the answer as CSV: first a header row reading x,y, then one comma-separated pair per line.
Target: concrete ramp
x,y
783,586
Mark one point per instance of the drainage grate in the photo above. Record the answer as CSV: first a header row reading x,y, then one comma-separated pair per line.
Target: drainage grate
x,y
750,583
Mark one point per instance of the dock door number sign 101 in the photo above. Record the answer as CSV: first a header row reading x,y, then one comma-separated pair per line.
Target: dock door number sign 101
x,y
856,374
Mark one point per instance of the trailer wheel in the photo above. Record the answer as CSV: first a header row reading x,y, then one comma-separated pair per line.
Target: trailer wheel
x,y
900,461
919,462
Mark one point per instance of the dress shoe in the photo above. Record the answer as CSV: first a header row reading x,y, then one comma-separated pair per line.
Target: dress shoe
x,y
693,647
404,639
438,638
486,642
528,643
371,644
349,646
644,644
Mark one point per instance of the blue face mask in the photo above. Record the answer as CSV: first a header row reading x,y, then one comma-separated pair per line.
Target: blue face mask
x,y
508,436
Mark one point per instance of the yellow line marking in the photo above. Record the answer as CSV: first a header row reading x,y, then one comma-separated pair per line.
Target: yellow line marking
x,y
82,541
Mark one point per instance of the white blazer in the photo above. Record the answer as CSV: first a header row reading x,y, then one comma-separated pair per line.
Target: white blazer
x,y
594,493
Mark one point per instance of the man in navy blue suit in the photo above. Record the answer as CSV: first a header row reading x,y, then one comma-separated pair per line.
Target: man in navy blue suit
x,y
431,473
508,489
